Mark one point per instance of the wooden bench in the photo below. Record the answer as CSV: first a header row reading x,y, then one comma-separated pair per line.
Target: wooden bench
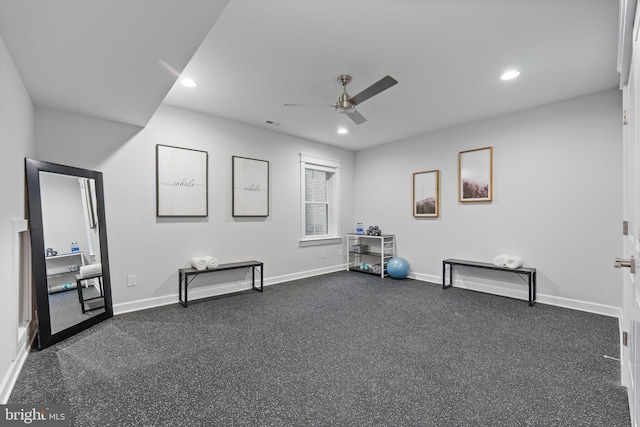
x,y
522,272
185,273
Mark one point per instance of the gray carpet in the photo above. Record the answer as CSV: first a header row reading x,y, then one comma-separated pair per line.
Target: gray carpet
x,y
65,309
344,349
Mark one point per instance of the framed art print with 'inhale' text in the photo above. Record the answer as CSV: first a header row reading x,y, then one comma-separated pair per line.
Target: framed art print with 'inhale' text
x,y
426,194
182,175
250,187
475,175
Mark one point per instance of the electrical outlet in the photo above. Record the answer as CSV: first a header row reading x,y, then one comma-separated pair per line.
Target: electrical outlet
x,y
131,280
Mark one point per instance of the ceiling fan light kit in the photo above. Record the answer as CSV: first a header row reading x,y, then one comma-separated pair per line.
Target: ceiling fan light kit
x,y
347,104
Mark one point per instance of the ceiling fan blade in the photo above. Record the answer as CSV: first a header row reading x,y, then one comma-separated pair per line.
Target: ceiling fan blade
x,y
356,117
383,84
308,105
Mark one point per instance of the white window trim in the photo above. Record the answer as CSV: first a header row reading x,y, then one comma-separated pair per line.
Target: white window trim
x,y
333,166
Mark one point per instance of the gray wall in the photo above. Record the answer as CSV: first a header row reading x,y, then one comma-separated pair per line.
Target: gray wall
x,y
557,200
62,213
16,143
154,248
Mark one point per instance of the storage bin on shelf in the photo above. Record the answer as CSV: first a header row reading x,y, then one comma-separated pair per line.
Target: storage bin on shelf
x,y
375,268
358,249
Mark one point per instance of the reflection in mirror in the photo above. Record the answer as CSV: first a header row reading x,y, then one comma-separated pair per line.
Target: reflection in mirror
x,y
69,249
71,237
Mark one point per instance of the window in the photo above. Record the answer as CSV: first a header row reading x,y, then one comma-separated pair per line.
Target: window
x,y
316,211
320,183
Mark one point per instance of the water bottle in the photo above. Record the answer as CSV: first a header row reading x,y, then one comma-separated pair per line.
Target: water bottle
x,y
359,228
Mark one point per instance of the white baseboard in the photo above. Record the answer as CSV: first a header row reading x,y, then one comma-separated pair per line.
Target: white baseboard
x,y
10,377
425,277
143,304
305,274
523,294
217,290
590,307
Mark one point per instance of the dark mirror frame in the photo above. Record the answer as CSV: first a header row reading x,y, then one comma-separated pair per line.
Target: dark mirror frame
x,y
38,265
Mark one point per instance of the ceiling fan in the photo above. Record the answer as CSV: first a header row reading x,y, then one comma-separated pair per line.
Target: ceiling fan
x,y
347,104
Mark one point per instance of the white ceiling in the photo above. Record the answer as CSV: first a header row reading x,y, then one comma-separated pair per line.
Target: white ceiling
x,y
114,59
446,54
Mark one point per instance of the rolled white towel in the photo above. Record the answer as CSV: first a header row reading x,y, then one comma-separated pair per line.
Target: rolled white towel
x,y
501,260
198,263
211,261
90,270
514,262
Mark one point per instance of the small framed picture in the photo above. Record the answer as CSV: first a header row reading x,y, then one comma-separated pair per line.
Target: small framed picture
x,y
250,187
182,176
426,194
475,175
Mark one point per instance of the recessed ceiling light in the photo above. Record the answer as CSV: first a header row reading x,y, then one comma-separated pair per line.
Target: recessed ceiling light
x,y
188,83
342,130
511,74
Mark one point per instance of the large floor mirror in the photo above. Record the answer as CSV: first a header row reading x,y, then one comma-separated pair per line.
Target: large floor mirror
x,y
69,257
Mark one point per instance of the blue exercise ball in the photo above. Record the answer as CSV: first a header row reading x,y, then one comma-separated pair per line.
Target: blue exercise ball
x,y
398,268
